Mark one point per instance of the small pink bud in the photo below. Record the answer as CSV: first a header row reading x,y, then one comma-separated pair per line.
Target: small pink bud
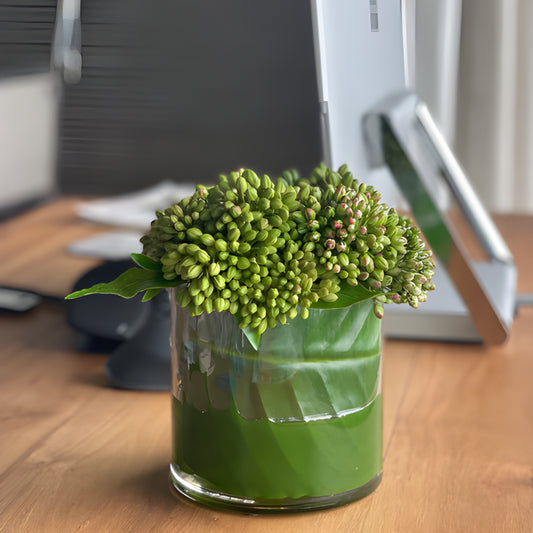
x,y
310,213
363,230
337,224
378,310
375,284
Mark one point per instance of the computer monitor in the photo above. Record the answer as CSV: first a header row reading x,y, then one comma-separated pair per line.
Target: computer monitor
x,y
388,138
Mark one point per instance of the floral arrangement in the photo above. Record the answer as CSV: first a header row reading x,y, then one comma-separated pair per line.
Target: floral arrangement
x,y
266,251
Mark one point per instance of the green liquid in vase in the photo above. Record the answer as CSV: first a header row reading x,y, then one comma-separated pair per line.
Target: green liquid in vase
x,y
277,460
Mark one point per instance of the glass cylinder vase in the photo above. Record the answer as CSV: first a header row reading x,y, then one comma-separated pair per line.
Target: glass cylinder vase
x,y
293,425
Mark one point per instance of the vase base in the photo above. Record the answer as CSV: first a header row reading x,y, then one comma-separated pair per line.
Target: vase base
x,y
187,485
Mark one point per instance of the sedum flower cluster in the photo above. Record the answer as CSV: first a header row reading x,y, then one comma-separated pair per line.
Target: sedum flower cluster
x,y
266,251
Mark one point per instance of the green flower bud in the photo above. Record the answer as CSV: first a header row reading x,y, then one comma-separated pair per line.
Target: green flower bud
x,y
219,282
378,274
241,185
183,297
361,245
213,269
231,272
262,326
202,256
265,182
177,210
232,260
207,240
244,247
250,235
276,203
381,263
387,280
189,249
193,272
276,221
198,299
194,233
343,259
168,260
293,313
243,263
251,195
233,234
208,305
263,204
367,262
263,223
251,177
323,292
219,304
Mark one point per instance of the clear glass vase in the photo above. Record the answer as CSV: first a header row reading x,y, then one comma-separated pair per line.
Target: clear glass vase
x,y
294,425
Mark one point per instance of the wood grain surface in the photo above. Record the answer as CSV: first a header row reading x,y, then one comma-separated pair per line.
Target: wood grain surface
x,y
79,456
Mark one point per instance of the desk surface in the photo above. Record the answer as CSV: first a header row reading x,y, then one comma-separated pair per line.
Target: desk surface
x,y
77,455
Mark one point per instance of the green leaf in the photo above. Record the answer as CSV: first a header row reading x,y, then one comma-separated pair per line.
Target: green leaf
x,y
146,262
324,365
348,295
150,293
129,283
253,336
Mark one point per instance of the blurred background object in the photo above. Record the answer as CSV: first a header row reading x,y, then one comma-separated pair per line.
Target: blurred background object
x,y
495,102
183,89
29,111
29,103
434,67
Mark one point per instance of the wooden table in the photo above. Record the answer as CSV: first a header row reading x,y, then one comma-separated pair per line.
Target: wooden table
x,y
78,455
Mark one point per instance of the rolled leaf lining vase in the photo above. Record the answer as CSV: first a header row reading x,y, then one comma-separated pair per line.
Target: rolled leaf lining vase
x,y
294,425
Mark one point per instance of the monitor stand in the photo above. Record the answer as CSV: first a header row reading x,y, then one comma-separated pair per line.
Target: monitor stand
x,y
476,275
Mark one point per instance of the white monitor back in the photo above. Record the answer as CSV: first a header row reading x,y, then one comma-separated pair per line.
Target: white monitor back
x,y
361,58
